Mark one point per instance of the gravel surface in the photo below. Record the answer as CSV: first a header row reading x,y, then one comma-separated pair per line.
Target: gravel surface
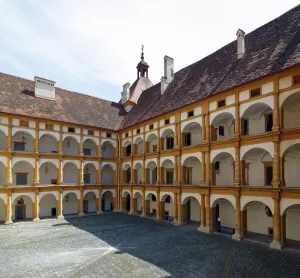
x,y
119,245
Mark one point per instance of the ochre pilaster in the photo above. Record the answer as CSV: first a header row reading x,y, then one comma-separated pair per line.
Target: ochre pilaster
x,y
276,243
59,205
80,203
9,135
276,166
36,172
8,209
207,166
202,211
203,174
237,234
9,179
36,207
237,177
276,121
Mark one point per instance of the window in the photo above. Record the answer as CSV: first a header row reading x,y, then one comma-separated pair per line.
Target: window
x,y
21,178
128,150
150,127
169,177
167,121
126,134
138,131
153,198
87,151
189,176
187,139
269,122
221,103
221,131
297,79
71,129
245,126
190,114
268,173
108,135
24,123
217,167
255,92
54,181
87,178
170,143
19,146
49,127
168,199
154,148
90,132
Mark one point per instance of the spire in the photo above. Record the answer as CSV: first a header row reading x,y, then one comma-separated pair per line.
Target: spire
x,y
142,67
142,54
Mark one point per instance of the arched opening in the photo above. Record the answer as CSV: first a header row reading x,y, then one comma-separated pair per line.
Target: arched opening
x,y
150,209
257,221
48,144
191,134
107,174
257,168
48,173
22,173
22,208
138,173
127,148
151,173
126,201
291,166
290,112
167,207
107,201
70,173
222,127
191,209
2,140
257,119
167,172
167,140
290,221
107,150
89,174
2,211
222,170
191,171
89,202
151,143
48,206
2,173
223,216
138,146
126,174
23,141
70,146
137,203
89,148
70,204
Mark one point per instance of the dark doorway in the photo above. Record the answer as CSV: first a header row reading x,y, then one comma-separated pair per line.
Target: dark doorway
x,y
188,210
85,206
218,222
20,211
128,202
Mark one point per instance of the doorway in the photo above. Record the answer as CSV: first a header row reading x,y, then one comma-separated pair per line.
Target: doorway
x,y
188,210
85,206
20,212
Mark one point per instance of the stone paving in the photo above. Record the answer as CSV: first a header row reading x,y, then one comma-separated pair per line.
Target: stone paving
x,y
119,245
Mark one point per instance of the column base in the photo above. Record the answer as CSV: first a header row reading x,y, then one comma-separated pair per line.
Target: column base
x,y
276,245
36,219
177,223
237,237
60,217
99,212
132,213
158,218
81,214
206,230
115,210
9,222
143,215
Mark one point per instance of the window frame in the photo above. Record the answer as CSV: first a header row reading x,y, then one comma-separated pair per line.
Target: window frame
x,y
243,126
169,143
221,130
19,144
221,103
169,172
190,114
21,175
24,123
70,129
167,121
266,121
89,151
253,92
187,137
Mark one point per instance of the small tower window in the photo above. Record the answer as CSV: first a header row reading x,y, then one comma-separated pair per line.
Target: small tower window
x,y
108,135
71,129
90,132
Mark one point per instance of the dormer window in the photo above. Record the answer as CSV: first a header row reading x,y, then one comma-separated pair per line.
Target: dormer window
x,y
71,129
221,103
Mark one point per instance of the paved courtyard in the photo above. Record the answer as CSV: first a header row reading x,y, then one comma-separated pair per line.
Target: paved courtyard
x,y
118,245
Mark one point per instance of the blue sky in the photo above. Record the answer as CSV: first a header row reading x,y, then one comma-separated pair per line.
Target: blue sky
x,y
93,46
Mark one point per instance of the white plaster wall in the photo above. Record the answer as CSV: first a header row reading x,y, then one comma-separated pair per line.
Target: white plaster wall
x,y
291,170
47,202
269,100
2,141
139,175
112,142
293,223
256,125
198,110
139,203
90,197
214,153
212,105
89,144
228,129
225,176
2,210
230,110
285,82
244,95
73,149
195,121
227,214
230,100
107,150
257,220
2,174
195,210
151,134
70,174
265,201
23,167
140,147
269,147
28,140
45,178
267,88
152,205
4,120
70,207
292,115
171,158
107,174
170,208
48,144
196,171
27,202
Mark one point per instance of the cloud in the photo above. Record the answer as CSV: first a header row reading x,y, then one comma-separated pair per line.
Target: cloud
x,y
94,46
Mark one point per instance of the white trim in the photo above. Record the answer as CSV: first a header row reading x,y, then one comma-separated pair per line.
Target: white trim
x,y
125,191
112,191
215,197
94,163
4,129
214,153
162,194
162,159
16,195
75,137
196,121
95,140
52,134
284,145
269,147
46,160
186,195
230,110
17,129
136,162
3,159
95,191
268,201
286,203
266,100
3,196
76,163
150,192
186,156
113,165
22,159
149,134
53,193
113,142
76,192
162,130
137,191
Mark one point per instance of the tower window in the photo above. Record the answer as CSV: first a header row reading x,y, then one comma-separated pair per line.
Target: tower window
x,y
221,103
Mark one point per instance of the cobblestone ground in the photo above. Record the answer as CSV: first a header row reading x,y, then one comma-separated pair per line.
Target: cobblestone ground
x,y
118,245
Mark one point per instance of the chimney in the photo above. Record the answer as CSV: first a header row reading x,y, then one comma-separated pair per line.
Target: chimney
x,y
240,43
168,73
126,93
44,88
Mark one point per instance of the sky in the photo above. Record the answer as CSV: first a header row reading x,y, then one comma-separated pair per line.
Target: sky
x,y
94,46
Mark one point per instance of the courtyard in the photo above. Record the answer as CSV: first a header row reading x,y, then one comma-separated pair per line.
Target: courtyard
x,y
120,245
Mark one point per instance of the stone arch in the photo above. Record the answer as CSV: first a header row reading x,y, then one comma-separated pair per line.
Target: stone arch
x,y
25,138
30,132
186,196
185,125
53,193
137,165
151,163
53,135
70,144
285,204
267,201
192,203
215,153
267,100
93,139
75,137
257,108
16,160
137,193
125,192
90,172
23,166
94,163
3,197
17,195
28,200
107,174
108,149
167,132
107,199
148,194
138,139
247,149
70,202
109,141
193,157
164,195
111,165
47,205
76,192
89,202
151,136
112,191
73,162
126,143
96,192
215,198
126,166
48,142
90,146
169,159
70,173
4,130
221,115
